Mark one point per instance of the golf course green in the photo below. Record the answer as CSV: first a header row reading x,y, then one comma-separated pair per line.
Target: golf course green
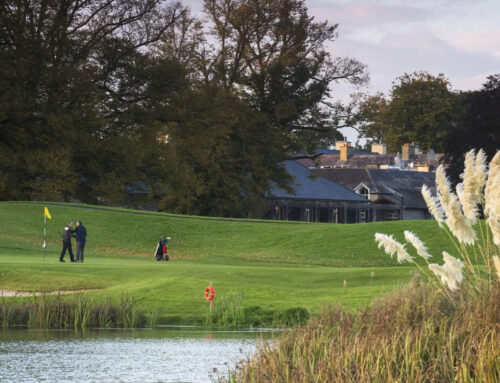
x,y
270,266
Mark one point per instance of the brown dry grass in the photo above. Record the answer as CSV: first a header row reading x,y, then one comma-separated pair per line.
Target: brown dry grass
x,y
416,335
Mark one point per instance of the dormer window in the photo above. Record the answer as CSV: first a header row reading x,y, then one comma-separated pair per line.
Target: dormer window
x,y
363,190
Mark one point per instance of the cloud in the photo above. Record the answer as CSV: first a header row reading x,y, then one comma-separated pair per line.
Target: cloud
x,y
195,5
399,53
362,14
394,36
485,42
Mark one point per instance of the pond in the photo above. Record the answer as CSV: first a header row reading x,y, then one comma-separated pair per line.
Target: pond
x,y
139,355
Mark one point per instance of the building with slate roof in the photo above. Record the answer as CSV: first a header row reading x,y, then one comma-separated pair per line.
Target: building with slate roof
x,y
316,199
394,194
389,185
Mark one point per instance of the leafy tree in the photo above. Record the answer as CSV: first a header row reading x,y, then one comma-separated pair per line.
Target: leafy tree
x,y
249,108
370,118
62,89
100,96
276,56
478,126
421,108
214,157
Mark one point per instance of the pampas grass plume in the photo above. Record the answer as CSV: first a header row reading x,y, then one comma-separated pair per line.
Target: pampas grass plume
x,y
443,186
492,198
495,229
455,265
468,191
492,192
495,161
392,247
459,225
417,244
481,170
433,204
450,272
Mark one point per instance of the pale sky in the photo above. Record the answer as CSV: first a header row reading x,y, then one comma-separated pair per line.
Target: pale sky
x,y
459,38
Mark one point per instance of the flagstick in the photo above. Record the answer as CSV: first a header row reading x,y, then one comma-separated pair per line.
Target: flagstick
x,y
44,234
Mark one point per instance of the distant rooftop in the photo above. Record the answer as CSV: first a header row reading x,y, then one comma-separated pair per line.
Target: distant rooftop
x,y
389,182
317,188
330,158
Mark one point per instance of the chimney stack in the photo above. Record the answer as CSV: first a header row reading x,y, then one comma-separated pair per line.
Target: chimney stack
x,y
407,151
379,148
344,152
339,144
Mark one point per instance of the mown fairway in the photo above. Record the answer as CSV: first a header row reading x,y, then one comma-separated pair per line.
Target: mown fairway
x,y
274,265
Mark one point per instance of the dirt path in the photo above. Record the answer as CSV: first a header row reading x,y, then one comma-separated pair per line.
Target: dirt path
x,y
13,293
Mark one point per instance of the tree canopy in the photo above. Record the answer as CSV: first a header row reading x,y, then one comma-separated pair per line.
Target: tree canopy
x,y
107,98
478,126
73,77
421,108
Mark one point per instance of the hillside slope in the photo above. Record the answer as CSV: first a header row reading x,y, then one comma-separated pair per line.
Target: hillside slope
x,y
213,240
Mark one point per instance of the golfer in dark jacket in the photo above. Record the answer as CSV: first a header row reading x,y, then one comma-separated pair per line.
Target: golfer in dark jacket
x,y
66,237
81,239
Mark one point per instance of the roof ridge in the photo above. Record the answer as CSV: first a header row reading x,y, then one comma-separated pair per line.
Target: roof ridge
x,y
375,187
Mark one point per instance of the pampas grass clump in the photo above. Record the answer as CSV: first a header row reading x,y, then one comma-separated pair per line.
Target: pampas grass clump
x,y
479,191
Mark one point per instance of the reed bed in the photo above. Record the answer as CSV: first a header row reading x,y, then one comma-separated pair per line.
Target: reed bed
x,y
229,311
416,335
80,311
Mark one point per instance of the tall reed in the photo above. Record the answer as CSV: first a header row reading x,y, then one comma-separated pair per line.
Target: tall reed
x,y
477,242
79,311
227,310
414,335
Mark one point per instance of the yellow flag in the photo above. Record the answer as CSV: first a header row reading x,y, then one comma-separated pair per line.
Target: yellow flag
x,y
47,214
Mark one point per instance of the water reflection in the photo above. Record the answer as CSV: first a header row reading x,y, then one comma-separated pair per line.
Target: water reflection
x,y
140,355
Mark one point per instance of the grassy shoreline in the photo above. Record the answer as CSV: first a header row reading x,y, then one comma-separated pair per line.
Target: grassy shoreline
x,y
79,311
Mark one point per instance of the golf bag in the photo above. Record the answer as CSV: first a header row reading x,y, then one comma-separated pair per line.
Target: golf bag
x,y
161,252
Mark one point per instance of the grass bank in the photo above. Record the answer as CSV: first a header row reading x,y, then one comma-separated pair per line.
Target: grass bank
x,y
263,272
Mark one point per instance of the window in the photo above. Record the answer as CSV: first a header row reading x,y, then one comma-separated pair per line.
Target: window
x,y
323,214
363,190
391,215
362,216
294,214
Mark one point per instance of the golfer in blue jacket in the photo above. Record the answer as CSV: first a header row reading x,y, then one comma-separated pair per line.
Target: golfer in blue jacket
x,y
81,239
